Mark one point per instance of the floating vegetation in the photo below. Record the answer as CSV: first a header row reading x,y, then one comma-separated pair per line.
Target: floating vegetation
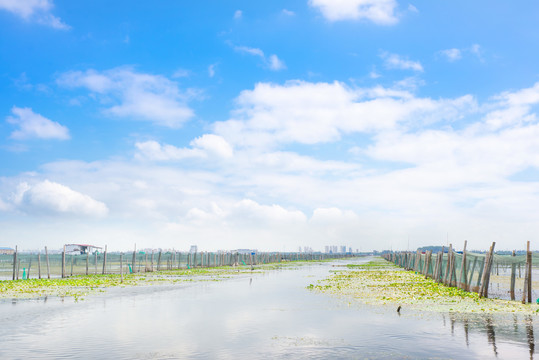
x,y
377,283
82,285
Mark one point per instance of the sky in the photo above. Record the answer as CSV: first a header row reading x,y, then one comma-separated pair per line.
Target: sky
x,y
375,124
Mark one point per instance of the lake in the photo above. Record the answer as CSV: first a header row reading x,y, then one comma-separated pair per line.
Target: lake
x,y
264,315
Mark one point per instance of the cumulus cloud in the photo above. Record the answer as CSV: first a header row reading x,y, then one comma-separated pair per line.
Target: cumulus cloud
x,y
381,12
452,54
275,63
135,95
272,61
35,126
47,197
238,14
310,113
455,54
420,166
394,61
34,10
205,146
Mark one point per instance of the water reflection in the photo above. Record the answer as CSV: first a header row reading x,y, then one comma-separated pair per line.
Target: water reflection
x,y
270,316
498,329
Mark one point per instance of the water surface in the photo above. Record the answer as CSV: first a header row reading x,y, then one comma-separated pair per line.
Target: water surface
x,y
259,316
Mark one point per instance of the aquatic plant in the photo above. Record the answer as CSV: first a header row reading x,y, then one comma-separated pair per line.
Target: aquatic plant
x,y
378,284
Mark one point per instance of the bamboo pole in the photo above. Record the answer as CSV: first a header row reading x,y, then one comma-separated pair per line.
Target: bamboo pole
x,y
39,265
121,268
486,272
530,277
463,268
48,264
513,273
15,263
105,260
448,265
64,263
134,261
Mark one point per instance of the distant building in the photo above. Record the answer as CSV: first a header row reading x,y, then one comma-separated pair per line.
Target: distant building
x,y
327,249
193,249
245,251
81,248
343,249
6,251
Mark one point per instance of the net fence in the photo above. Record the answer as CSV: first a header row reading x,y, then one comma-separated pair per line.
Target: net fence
x,y
57,265
501,276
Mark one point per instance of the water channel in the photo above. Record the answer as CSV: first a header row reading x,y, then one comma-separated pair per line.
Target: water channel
x,y
260,316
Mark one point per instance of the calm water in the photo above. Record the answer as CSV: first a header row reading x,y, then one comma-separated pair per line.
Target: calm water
x,y
263,316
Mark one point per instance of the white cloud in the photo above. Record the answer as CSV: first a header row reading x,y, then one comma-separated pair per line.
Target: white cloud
x,y
381,12
422,167
476,50
238,14
4,206
288,12
394,61
211,70
374,74
32,125
275,63
137,96
412,8
310,113
48,197
455,54
272,62
249,50
452,54
34,10
205,146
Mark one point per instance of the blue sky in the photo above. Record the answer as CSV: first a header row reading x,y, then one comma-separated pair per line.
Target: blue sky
x,y
270,125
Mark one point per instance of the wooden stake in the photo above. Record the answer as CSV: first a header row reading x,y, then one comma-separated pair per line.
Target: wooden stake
x,y
15,263
121,269
87,260
105,261
134,261
463,273
448,265
513,273
64,263
529,271
48,264
486,272
39,265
